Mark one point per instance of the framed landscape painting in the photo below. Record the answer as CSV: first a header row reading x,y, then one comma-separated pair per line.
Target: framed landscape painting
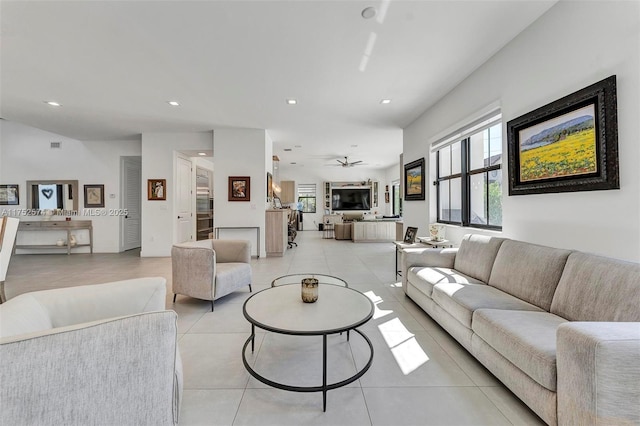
x,y
414,180
568,145
269,187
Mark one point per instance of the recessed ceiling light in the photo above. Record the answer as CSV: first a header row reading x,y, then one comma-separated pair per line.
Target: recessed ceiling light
x,y
52,103
354,146
202,153
297,146
385,101
292,101
369,12
173,103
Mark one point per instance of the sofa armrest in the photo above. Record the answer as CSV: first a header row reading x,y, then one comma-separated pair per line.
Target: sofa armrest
x,y
193,269
122,370
75,305
598,373
439,258
232,251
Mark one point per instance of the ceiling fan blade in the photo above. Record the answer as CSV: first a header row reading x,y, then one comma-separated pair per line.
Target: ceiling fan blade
x,y
344,163
356,162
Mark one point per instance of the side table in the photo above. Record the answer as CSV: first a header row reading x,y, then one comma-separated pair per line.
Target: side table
x,y
401,245
328,230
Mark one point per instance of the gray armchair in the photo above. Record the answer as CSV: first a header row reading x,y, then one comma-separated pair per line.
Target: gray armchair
x,y
210,269
104,354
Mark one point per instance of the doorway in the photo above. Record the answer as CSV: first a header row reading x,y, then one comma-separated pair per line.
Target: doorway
x,y
184,200
130,202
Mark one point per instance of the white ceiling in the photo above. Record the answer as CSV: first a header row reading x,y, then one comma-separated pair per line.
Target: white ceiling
x,y
113,65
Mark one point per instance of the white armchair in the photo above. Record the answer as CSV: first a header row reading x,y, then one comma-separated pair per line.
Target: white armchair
x,y
8,231
97,354
210,269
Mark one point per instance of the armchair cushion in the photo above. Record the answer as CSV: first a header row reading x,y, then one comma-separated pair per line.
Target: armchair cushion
x,y
229,275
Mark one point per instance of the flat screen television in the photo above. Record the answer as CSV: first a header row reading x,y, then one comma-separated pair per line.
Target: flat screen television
x,y
351,198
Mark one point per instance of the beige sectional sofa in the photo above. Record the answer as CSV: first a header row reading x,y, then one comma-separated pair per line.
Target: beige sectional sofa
x,y
104,354
560,328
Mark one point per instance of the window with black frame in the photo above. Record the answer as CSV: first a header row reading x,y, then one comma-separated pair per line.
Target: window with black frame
x,y
469,177
307,197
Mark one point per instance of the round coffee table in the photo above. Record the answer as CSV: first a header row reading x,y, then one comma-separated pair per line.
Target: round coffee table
x,y
280,309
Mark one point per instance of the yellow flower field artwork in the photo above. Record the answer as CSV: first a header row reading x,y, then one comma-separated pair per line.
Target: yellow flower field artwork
x,y
574,155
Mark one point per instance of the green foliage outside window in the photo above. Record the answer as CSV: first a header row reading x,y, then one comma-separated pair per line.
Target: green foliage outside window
x,y
308,204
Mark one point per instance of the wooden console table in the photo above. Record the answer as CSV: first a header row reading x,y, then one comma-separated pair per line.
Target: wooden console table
x,y
56,225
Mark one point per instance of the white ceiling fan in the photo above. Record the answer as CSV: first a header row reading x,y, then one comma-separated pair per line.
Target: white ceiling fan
x,y
347,163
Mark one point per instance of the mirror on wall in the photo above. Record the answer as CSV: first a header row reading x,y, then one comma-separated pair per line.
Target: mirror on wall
x,y
52,195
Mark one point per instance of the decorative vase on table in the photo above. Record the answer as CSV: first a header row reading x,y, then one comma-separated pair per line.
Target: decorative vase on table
x,y
309,290
72,240
436,231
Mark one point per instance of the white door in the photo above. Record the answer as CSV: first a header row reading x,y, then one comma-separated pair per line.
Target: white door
x,y
131,182
184,201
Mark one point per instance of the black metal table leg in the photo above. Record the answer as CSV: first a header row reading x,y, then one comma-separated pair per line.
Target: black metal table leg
x,y
324,372
253,336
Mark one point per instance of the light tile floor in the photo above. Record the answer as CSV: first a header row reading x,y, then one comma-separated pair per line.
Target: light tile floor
x,y
419,376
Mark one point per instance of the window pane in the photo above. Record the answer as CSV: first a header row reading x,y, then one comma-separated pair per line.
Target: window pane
x,y
443,189
456,200
445,161
456,158
478,192
479,150
495,145
495,197
396,199
308,204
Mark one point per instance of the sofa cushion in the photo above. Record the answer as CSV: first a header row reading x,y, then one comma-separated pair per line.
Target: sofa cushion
x,y
461,300
230,277
595,288
476,255
526,339
528,271
424,278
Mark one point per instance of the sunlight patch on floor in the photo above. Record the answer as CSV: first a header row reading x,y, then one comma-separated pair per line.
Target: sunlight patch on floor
x,y
378,313
406,350
409,356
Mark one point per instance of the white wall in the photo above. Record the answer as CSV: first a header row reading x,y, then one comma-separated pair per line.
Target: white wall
x,y
241,152
159,151
573,45
26,155
319,175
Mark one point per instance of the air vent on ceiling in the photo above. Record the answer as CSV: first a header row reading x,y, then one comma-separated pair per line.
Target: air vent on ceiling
x,y
288,149
56,145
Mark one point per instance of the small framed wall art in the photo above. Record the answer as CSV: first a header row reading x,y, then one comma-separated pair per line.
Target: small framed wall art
x,y
414,180
156,189
239,188
269,187
93,196
9,195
